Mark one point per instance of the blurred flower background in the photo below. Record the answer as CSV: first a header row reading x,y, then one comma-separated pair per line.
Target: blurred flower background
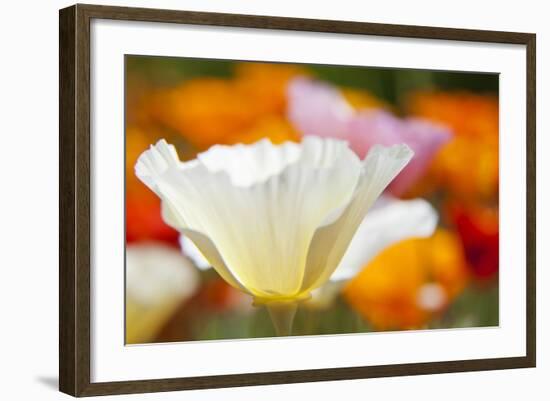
x,y
428,257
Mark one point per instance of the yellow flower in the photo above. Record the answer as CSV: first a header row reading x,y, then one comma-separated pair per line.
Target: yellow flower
x,y
409,282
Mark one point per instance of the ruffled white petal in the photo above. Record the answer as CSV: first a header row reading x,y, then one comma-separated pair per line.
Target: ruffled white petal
x,y
389,221
152,164
246,165
258,226
330,242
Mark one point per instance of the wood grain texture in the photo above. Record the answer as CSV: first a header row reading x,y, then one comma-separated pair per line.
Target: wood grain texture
x,y
67,288
74,205
74,198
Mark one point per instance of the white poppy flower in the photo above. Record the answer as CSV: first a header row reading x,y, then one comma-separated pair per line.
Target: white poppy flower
x,y
273,220
158,280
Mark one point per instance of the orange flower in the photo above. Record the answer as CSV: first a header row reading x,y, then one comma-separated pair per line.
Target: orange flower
x,y
136,141
266,83
137,93
468,165
409,283
206,111
468,114
277,129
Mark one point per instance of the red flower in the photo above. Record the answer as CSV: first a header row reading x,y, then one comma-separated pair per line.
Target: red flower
x,y
478,230
144,221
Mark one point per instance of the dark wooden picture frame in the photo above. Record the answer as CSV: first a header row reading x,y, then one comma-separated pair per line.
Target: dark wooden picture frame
x,y
74,199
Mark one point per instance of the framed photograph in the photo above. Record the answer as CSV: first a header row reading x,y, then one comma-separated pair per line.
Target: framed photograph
x,y
250,200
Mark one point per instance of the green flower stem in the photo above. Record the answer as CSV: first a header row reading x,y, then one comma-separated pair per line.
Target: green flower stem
x,y
282,315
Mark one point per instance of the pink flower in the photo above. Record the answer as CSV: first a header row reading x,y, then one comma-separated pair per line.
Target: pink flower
x,y
319,109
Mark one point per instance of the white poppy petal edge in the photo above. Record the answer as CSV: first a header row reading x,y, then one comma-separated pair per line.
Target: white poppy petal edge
x,y
190,250
393,221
